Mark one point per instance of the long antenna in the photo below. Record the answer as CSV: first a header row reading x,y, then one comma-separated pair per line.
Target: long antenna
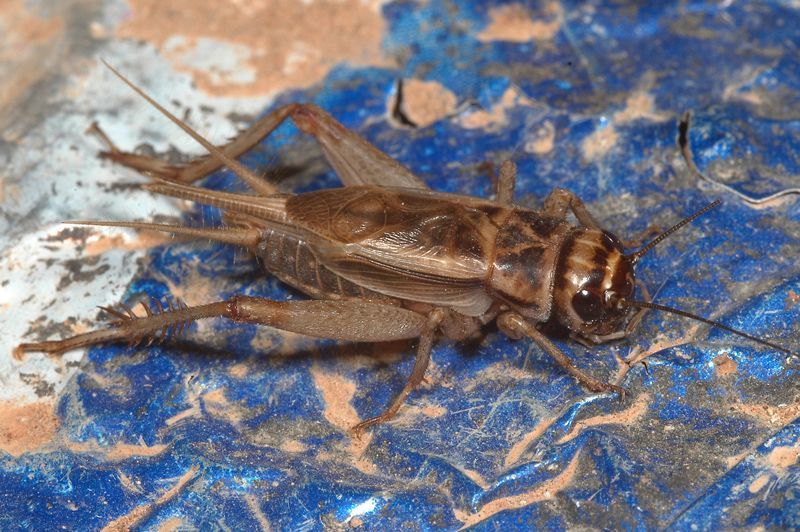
x,y
655,306
635,256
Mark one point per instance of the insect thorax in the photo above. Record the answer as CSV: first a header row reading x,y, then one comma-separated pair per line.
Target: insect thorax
x,y
525,260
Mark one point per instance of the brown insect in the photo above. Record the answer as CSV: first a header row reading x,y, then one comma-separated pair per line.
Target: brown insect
x,y
385,258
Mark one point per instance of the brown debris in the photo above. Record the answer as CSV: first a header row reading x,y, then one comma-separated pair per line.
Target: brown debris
x,y
725,365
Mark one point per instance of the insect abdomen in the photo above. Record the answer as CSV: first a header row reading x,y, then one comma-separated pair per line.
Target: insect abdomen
x,y
292,261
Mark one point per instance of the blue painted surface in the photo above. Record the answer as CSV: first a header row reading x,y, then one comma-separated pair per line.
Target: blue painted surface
x,y
691,443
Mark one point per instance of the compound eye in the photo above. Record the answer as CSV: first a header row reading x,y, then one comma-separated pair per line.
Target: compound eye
x,y
588,306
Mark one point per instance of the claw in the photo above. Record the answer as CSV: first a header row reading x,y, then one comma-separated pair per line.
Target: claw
x,y
358,430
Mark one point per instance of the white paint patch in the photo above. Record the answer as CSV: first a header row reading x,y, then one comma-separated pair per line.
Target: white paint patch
x,y
222,61
53,174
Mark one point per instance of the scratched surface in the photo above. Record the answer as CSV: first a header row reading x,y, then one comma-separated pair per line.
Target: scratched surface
x,y
240,427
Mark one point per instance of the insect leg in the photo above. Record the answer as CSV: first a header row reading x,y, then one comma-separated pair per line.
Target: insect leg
x,y
516,326
356,161
504,192
559,200
350,320
141,163
417,374
253,181
237,236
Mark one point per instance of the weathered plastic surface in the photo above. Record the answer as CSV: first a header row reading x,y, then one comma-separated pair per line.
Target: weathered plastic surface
x,y
239,427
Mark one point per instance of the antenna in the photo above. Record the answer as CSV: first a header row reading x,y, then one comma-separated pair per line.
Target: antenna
x,y
635,256
663,308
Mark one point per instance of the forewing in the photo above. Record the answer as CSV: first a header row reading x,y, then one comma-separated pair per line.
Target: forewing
x,y
399,243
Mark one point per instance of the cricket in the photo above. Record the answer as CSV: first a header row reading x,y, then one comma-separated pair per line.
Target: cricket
x,y
386,258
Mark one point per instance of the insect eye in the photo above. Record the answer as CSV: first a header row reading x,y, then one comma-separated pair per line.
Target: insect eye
x,y
588,305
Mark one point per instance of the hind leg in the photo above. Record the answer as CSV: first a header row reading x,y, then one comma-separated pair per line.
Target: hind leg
x,y
356,161
357,321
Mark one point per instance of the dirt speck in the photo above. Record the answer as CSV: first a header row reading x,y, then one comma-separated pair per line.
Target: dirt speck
x,y
118,452
337,392
543,140
173,524
660,343
218,406
597,145
254,505
725,365
769,414
26,428
739,88
545,490
519,448
260,46
192,411
293,447
99,243
758,484
434,411
238,371
640,105
732,461
129,484
495,118
140,513
783,457
425,102
41,387
792,298
514,23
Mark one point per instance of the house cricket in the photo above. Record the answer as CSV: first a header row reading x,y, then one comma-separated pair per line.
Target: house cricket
x,y
386,258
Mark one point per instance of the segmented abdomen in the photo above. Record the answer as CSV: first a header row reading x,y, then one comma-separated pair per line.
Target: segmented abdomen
x,y
292,261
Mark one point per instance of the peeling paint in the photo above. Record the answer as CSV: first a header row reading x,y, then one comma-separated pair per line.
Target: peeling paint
x,y
305,40
725,366
640,105
543,140
545,490
26,428
425,102
514,23
519,448
118,452
597,145
496,117
140,513
629,416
